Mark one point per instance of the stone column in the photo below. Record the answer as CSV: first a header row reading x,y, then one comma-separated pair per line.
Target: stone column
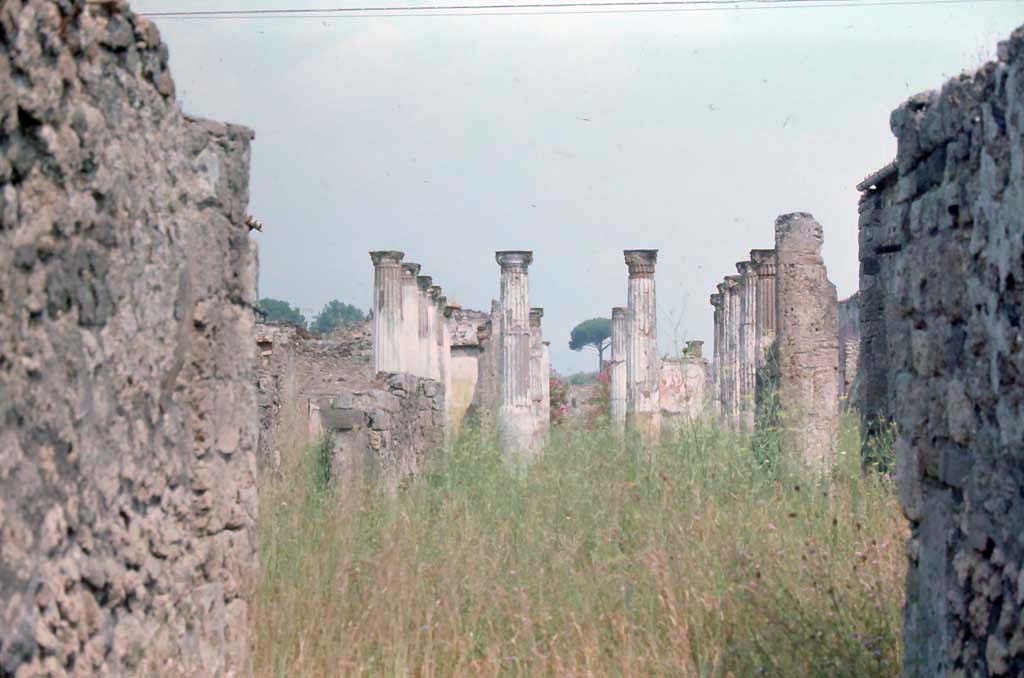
x,y
747,357
617,368
516,420
423,332
643,367
716,359
387,310
537,376
764,316
545,370
436,319
807,341
732,288
723,363
445,349
409,357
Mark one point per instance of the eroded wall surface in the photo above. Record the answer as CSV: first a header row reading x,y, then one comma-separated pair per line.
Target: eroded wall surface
x,y
311,387
942,246
127,398
849,348
383,433
684,391
295,366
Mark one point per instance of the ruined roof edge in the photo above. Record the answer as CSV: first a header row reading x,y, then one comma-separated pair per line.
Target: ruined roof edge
x,y
877,177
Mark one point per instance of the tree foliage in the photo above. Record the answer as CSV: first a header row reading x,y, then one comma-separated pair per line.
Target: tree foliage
x,y
336,314
593,333
276,310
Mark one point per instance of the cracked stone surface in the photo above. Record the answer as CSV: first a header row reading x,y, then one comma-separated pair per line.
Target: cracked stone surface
x,y
127,395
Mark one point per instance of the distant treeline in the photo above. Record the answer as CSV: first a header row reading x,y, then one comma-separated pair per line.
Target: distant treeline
x,y
334,314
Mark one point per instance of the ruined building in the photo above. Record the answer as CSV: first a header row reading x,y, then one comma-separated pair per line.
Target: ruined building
x,y
942,357
127,398
777,342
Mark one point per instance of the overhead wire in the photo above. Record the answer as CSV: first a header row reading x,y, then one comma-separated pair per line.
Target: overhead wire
x,y
558,8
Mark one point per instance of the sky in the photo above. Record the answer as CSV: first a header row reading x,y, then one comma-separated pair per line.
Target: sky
x,y
572,135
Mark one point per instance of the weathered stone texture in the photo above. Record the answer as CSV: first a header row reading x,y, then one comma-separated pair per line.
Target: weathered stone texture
x,y
487,396
807,351
942,244
379,425
383,433
295,366
849,348
127,400
879,224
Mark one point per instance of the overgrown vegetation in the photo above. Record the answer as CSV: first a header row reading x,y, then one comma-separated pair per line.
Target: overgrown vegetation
x,y
705,562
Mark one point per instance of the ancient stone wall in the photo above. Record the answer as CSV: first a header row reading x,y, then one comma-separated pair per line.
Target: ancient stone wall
x,y
295,366
942,251
683,397
463,328
381,434
880,247
127,398
849,348
323,387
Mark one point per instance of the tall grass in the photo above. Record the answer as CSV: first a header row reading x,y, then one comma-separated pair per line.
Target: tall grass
x,y
701,562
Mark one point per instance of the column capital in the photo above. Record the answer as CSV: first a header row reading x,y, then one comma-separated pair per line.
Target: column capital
x,y
442,303
723,288
535,315
619,312
410,270
514,258
716,300
640,262
387,257
434,292
746,268
732,282
764,261
424,282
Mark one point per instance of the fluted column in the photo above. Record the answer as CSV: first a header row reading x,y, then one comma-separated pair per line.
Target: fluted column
x,y
732,286
387,310
643,410
716,361
537,376
423,334
435,320
516,419
617,368
723,362
747,358
409,357
764,319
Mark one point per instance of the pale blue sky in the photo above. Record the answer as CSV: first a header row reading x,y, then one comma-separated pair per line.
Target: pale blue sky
x,y
574,136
